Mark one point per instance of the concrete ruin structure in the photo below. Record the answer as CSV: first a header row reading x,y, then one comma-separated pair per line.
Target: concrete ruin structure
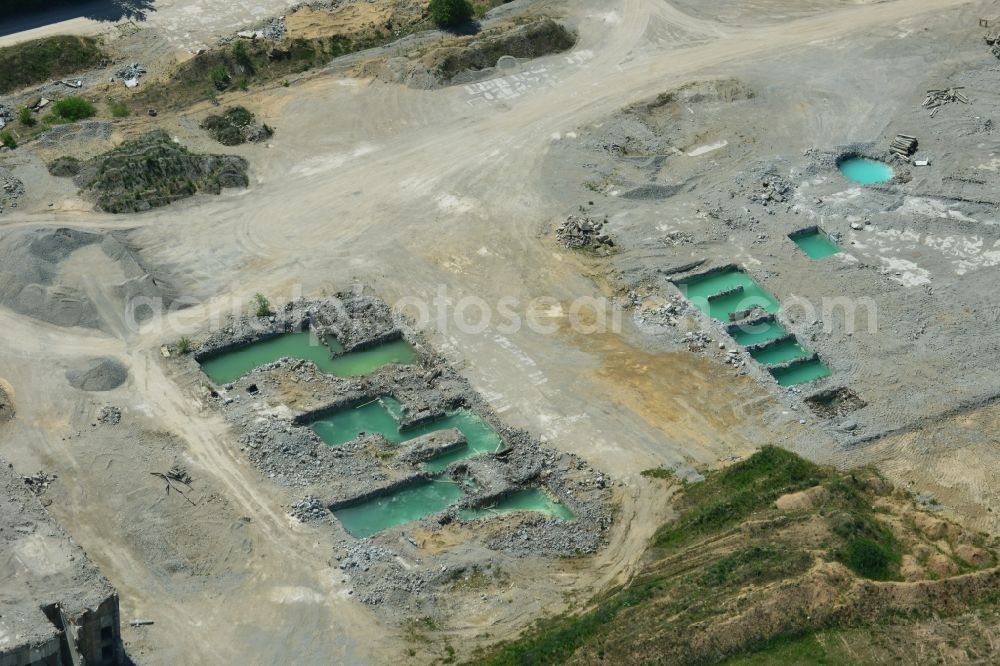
x,y
58,610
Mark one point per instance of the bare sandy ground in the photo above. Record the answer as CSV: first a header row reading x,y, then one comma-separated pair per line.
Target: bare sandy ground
x,y
410,192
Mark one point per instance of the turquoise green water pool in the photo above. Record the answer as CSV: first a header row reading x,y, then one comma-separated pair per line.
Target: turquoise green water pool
x,y
699,288
363,362
865,171
402,507
801,373
231,365
781,352
816,244
382,416
754,334
531,499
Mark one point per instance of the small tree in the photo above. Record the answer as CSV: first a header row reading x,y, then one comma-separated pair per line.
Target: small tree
x,y
449,13
184,345
242,55
25,116
263,305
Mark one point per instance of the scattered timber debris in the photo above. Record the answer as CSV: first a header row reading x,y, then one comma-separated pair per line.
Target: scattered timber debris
x,y
176,475
179,473
903,145
937,98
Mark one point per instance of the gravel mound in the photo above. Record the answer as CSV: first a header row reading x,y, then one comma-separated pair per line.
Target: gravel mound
x,y
99,374
153,171
236,125
6,406
11,189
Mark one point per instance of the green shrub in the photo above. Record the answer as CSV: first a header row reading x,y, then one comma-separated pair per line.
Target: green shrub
x,y
220,77
118,108
263,305
65,166
184,345
26,117
242,55
449,13
8,140
869,559
73,108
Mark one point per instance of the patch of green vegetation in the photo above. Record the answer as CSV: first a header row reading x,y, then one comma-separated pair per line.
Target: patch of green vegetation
x,y
658,473
119,109
73,108
39,60
8,140
250,63
263,305
755,565
739,490
450,13
242,56
26,117
184,345
554,641
802,650
64,166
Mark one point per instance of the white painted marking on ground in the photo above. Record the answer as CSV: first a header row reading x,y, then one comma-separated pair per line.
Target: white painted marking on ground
x,y
707,148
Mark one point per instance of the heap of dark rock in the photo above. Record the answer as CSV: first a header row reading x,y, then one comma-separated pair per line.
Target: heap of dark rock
x,y
236,125
153,171
584,233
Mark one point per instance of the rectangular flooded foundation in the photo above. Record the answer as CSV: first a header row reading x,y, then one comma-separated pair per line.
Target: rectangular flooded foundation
x,y
723,292
800,373
403,506
328,355
529,499
382,416
815,242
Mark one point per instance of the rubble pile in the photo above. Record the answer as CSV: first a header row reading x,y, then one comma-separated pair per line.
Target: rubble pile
x,y
309,508
130,74
993,41
110,415
696,340
272,30
39,482
772,189
6,115
661,313
11,189
579,233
